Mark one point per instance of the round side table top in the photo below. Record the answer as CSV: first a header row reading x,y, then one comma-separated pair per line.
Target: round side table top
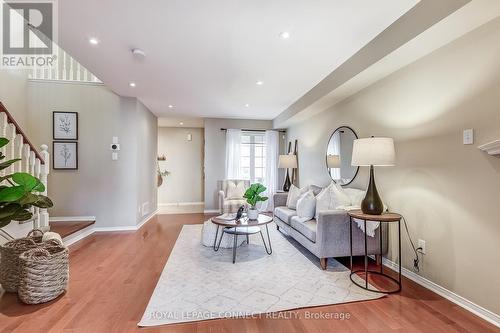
x,y
243,222
385,217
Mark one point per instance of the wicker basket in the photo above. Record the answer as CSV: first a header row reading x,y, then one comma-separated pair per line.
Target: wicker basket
x,y
9,258
44,273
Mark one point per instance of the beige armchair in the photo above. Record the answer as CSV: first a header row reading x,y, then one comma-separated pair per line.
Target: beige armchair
x,y
231,205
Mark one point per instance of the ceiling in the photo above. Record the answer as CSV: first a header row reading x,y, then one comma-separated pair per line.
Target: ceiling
x,y
205,57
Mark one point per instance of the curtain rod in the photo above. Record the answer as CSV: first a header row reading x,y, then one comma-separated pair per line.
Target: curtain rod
x,y
255,130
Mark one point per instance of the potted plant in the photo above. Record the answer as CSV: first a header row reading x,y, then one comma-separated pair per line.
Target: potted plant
x,y
252,194
18,193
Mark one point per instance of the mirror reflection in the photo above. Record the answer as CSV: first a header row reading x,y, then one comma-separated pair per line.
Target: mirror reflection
x,y
339,154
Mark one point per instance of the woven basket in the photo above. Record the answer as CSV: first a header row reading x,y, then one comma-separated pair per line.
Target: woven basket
x,y
9,258
44,273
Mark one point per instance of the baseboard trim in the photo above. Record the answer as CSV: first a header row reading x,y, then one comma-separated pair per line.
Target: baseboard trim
x,y
78,236
211,211
72,218
449,295
181,207
147,219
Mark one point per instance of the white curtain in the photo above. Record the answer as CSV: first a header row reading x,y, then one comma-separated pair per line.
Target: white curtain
x,y
271,179
233,143
334,149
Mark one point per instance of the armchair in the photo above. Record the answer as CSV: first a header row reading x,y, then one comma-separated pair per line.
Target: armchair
x,y
231,205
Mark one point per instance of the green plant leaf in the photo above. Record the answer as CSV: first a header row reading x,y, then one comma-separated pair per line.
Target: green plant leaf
x,y
10,194
9,210
43,202
22,215
6,164
3,142
29,182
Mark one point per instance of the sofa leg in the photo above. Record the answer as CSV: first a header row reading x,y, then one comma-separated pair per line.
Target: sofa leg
x,y
323,262
277,227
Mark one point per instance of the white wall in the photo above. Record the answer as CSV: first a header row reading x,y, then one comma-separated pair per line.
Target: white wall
x,y
113,191
215,152
184,161
447,191
13,93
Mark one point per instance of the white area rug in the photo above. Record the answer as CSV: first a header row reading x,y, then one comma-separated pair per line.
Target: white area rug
x,y
199,284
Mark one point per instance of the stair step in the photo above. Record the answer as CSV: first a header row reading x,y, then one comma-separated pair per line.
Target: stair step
x,y
66,228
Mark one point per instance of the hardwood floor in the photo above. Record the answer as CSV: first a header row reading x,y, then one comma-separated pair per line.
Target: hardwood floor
x,y
114,274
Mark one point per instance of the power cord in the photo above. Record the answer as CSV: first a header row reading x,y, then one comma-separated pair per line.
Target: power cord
x,y
416,261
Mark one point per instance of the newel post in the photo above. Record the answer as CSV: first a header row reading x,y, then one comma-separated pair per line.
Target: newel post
x,y
44,172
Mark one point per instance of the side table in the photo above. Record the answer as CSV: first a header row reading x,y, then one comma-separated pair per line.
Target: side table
x,y
384,218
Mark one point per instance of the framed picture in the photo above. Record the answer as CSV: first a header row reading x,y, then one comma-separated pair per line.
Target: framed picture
x,y
65,125
65,155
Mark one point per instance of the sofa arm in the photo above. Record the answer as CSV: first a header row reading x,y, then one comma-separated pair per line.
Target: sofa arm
x,y
222,195
332,226
280,198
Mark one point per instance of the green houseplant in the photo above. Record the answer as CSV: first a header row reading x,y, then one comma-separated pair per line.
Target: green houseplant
x,y
18,193
252,194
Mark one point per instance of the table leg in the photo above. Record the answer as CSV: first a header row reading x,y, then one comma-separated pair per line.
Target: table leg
x,y
270,250
366,260
380,237
248,239
350,239
234,246
216,246
399,254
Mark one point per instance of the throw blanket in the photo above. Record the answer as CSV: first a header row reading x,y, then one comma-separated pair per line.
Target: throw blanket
x,y
371,226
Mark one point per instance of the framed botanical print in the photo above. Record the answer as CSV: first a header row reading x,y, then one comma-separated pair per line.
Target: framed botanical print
x,y
65,125
65,155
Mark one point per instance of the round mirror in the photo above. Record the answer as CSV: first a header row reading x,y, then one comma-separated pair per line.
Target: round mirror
x,y
339,155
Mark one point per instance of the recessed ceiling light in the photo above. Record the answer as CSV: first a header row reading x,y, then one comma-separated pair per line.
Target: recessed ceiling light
x,y
247,105
284,35
132,84
259,83
170,106
93,41
181,123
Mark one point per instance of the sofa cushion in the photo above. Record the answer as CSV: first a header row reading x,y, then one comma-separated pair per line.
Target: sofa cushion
x,y
306,206
316,189
307,228
235,190
294,195
285,214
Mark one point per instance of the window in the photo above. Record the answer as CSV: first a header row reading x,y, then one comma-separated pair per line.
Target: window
x,y
253,156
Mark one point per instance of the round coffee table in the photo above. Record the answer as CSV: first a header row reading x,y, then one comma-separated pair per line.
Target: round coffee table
x,y
242,227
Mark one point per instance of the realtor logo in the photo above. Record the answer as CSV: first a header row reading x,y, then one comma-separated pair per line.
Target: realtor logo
x,y
28,33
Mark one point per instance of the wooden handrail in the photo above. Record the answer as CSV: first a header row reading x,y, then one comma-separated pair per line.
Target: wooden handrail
x,y
11,120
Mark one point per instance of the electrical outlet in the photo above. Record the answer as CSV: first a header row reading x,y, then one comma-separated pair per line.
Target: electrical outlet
x,y
421,245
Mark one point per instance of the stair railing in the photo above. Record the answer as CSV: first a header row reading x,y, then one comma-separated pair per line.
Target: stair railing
x,y
33,162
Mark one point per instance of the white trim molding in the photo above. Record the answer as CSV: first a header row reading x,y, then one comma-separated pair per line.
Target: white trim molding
x,y
478,310
181,207
492,148
211,211
72,218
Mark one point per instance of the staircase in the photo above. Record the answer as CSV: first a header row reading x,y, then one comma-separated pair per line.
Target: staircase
x,y
33,162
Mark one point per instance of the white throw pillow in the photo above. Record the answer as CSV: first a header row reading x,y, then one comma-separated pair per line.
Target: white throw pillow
x,y
355,195
293,195
306,206
323,200
339,197
235,191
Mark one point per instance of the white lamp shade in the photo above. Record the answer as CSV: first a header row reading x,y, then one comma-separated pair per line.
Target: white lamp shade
x,y
373,151
287,161
333,161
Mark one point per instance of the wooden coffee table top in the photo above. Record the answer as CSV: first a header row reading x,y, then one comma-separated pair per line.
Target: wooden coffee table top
x,y
385,217
243,222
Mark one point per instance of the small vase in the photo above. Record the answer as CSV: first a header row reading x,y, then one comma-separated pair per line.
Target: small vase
x,y
253,214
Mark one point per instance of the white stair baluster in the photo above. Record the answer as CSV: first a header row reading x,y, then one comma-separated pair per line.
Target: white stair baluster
x,y
31,170
18,152
26,158
3,133
36,211
10,151
44,172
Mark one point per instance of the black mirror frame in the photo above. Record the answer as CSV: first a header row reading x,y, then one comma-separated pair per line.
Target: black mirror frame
x,y
326,154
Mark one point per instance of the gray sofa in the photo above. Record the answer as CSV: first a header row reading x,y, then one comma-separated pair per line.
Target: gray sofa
x,y
328,236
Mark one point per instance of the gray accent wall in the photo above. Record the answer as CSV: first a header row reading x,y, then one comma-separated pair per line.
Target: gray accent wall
x,y
447,191
118,193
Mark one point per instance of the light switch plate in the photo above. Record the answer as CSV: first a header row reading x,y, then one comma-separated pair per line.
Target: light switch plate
x,y
469,136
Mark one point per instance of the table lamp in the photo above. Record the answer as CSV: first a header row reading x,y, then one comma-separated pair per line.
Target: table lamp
x,y
287,162
373,152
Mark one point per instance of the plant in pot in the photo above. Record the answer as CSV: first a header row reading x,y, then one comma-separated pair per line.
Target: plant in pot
x,y
253,196
18,193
